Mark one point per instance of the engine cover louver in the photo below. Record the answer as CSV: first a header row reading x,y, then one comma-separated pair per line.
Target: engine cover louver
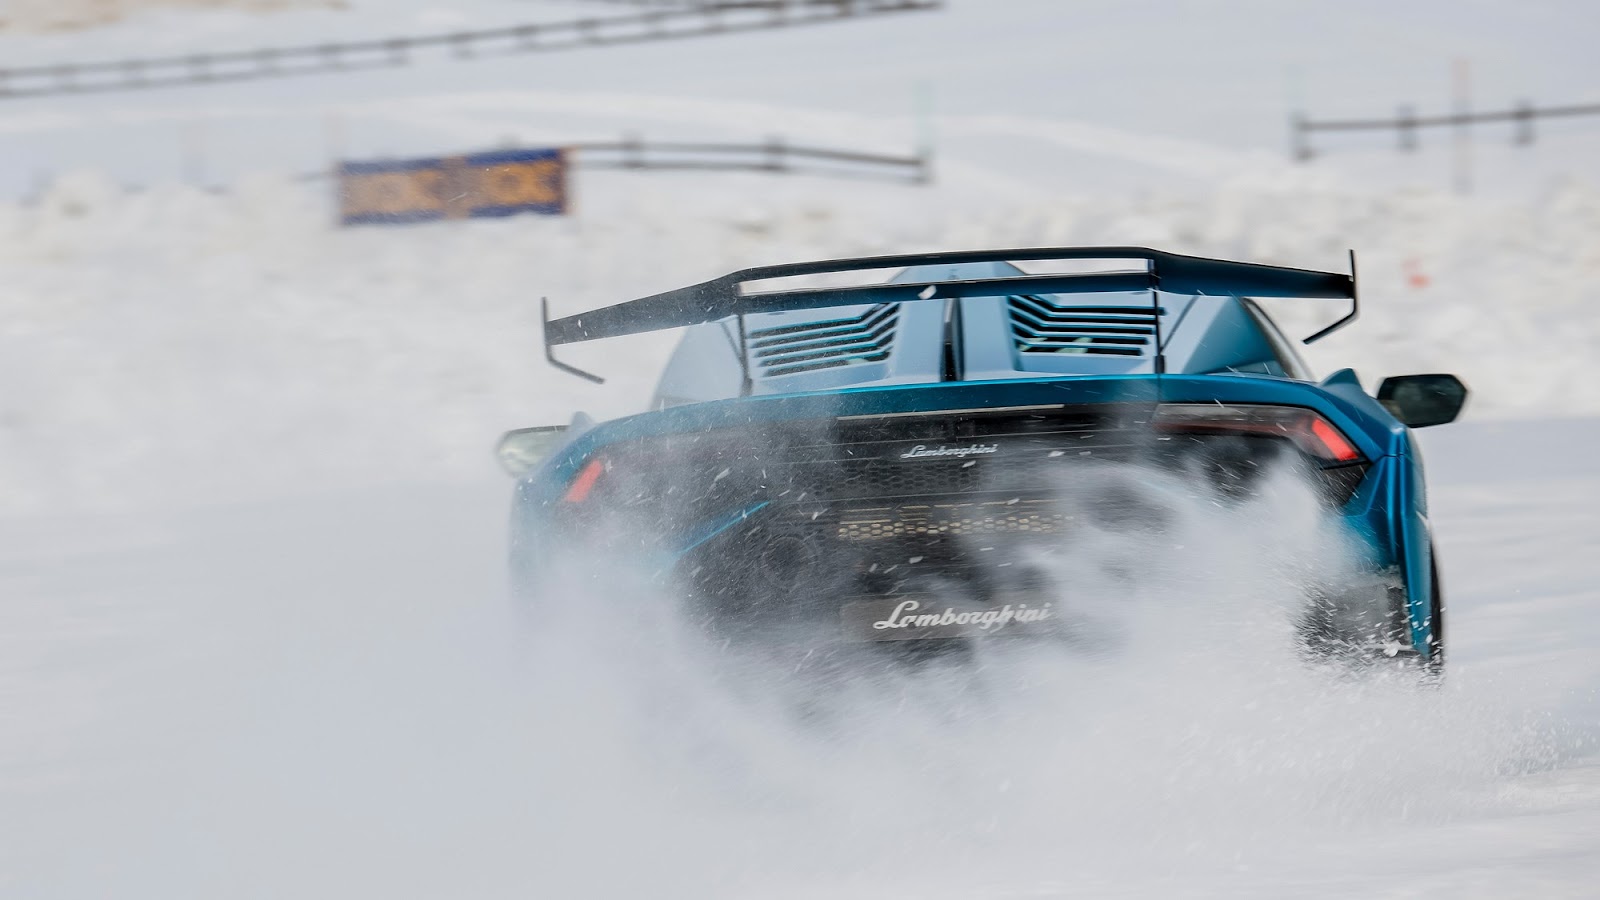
x,y
811,346
1040,325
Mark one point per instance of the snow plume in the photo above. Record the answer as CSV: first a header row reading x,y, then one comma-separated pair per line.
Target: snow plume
x,y
330,697
1186,744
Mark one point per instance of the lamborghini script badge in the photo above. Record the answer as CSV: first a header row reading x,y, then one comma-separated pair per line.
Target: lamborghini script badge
x,y
915,620
909,614
923,451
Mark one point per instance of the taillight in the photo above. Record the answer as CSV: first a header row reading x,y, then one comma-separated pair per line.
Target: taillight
x,y
1314,435
581,486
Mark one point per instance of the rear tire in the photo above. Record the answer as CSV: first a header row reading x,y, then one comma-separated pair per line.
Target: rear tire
x,y
1435,658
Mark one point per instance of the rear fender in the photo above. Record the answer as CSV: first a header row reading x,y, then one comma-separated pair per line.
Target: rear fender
x,y
1389,514
1414,544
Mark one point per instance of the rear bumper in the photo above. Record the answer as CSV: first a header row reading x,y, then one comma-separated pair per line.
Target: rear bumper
x,y
862,495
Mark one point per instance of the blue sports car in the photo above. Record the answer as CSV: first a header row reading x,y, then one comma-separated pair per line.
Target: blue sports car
x,y
827,450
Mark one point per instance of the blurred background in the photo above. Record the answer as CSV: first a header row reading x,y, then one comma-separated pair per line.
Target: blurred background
x,y
190,319
260,326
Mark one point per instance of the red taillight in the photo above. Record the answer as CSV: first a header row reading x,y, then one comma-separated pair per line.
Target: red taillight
x,y
1332,441
584,483
1313,434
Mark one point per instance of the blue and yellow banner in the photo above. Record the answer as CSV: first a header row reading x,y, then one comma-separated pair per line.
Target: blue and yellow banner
x,y
480,185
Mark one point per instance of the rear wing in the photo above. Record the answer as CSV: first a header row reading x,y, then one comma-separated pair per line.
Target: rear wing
x,y
726,297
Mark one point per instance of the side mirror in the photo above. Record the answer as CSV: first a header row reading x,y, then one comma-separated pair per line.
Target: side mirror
x,y
1423,400
521,450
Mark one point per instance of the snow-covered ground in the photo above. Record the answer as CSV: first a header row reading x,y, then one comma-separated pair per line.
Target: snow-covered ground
x,y
328,697
252,633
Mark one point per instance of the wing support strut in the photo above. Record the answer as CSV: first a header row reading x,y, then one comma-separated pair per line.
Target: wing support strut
x,y
1159,363
549,348
1355,306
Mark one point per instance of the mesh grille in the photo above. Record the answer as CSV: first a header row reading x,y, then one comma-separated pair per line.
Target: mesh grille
x,y
1040,325
1001,517
889,476
825,345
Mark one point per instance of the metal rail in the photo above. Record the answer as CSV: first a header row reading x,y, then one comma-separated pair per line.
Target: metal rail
x,y
1406,123
775,155
1515,114
654,23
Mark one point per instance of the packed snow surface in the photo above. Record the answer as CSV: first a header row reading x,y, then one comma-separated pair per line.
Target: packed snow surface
x,y
328,697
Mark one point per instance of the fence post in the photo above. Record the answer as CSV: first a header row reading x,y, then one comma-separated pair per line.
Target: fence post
x,y
1463,154
41,184
1406,128
775,154
632,151
333,142
194,153
1524,118
1299,139
925,133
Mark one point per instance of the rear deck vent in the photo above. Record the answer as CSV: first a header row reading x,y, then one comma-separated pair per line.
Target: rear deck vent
x,y
829,344
1041,326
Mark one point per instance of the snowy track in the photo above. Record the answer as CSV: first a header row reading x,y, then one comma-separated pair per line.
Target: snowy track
x,y
327,697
